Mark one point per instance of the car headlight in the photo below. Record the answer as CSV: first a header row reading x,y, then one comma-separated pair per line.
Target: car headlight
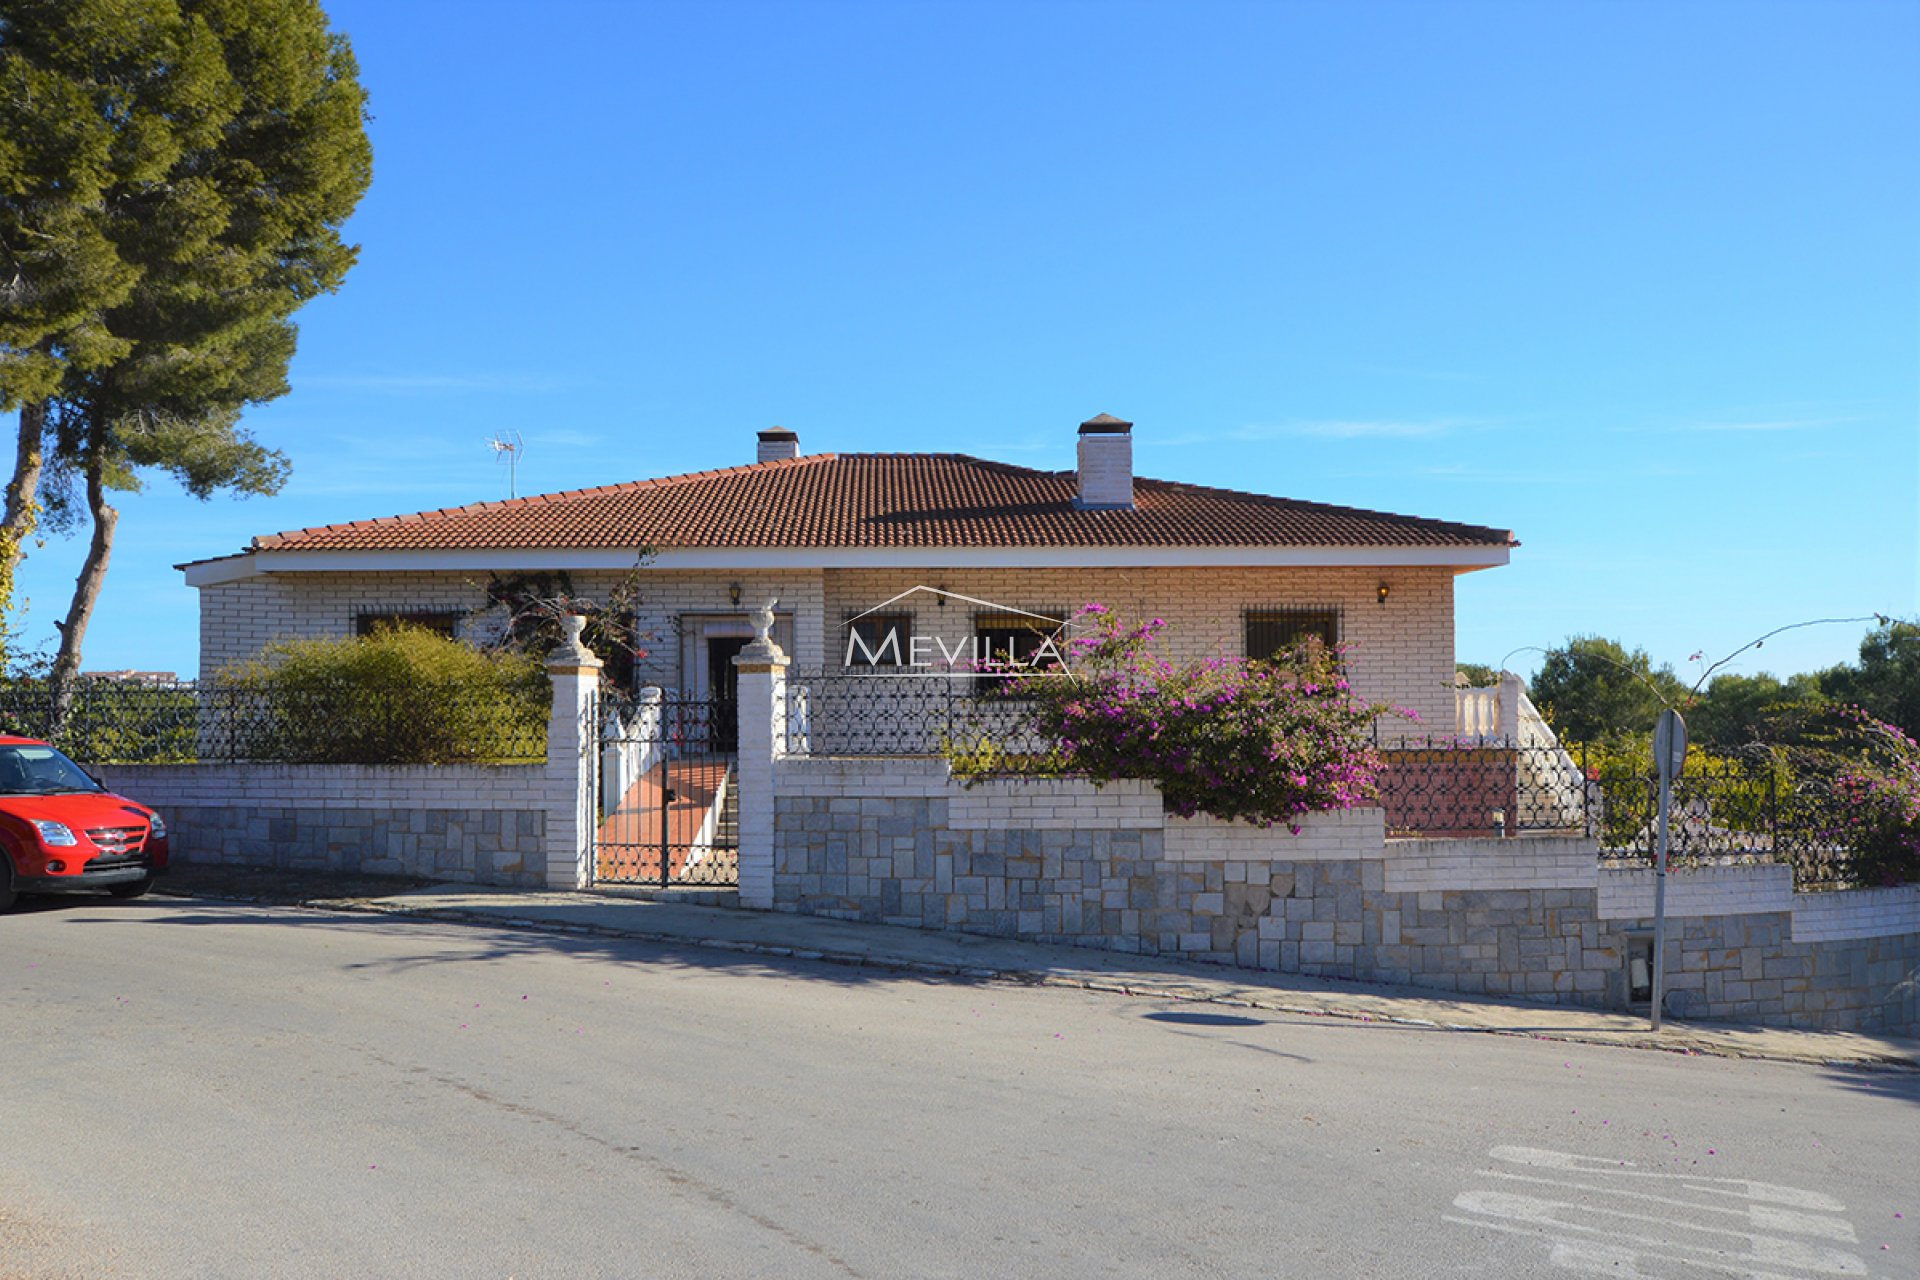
x,y
56,834
156,829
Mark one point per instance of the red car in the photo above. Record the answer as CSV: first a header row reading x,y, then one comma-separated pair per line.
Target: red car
x,y
62,832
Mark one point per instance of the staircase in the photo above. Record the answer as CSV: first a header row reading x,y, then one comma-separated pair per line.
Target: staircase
x,y
727,834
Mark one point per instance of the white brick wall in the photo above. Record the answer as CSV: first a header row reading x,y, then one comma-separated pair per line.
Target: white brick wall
x,y
1403,650
1626,893
667,596
876,777
237,619
1856,913
1341,835
1522,862
324,786
1056,804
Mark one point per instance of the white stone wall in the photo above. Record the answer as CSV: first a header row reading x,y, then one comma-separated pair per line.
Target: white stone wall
x,y
320,786
487,824
1627,893
874,776
1403,650
1856,913
1045,804
1341,835
1522,862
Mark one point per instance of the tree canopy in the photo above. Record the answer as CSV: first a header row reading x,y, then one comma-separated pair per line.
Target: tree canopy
x,y
1886,683
1593,688
174,175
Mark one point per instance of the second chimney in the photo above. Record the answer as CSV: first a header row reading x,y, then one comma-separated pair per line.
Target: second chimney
x,y
1106,463
777,444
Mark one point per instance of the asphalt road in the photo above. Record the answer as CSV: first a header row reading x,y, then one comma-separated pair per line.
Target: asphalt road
x,y
193,1089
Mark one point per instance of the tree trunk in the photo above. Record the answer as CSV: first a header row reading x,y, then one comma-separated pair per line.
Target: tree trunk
x,y
23,508
86,589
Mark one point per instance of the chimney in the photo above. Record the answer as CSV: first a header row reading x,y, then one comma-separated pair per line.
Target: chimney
x,y
1106,463
777,444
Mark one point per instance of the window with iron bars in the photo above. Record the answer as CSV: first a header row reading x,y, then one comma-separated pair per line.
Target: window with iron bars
x,y
441,622
1271,632
1016,639
878,640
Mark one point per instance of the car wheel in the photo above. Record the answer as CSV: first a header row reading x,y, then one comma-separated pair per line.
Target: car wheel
x,y
7,895
132,888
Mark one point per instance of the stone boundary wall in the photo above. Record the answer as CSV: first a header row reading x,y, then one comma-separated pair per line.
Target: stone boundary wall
x,y
1857,913
478,824
1323,837
897,841
1530,862
1626,893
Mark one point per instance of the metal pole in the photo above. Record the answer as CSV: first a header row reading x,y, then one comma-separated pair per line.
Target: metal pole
x,y
1586,794
666,819
1660,896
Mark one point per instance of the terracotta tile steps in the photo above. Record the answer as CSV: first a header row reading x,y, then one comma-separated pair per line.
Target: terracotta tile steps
x,y
629,843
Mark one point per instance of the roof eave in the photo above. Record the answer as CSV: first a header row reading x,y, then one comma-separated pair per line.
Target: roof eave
x,y
804,559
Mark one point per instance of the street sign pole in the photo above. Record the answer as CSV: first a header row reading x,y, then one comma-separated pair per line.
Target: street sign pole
x,y
1669,755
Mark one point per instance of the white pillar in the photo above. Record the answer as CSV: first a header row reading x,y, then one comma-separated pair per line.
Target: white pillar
x,y
572,744
1512,689
763,739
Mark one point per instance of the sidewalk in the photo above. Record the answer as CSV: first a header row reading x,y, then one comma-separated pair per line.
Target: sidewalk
x,y
980,958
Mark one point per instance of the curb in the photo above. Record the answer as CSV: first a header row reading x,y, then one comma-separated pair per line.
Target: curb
x,y
1692,1045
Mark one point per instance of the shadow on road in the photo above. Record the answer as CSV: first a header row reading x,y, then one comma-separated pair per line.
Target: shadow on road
x,y
477,943
1894,1085
1191,1019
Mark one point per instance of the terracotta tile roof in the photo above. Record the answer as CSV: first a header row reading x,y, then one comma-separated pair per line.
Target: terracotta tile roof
x,y
882,500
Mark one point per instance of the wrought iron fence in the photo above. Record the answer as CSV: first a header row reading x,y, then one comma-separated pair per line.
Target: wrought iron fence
x,y
837,713
121,722
1754,805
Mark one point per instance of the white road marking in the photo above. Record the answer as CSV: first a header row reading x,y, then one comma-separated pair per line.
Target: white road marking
x,y
1617,1219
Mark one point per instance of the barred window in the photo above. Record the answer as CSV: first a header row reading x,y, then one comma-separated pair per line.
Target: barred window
x,y
878,640
444,622
1271,632
1016,639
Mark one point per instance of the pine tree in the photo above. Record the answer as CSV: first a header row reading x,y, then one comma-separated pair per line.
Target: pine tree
x,y
174,175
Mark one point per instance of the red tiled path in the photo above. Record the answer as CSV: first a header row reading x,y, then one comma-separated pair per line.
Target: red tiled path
x,y
629,844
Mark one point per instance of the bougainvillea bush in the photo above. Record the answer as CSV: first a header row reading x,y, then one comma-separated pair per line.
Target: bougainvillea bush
x,y
1875,781
1263,741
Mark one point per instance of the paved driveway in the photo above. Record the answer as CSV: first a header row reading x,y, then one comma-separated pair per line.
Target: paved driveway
x,y
193,1089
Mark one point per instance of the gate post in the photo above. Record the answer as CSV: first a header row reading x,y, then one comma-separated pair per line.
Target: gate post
x,y
572,746
763,737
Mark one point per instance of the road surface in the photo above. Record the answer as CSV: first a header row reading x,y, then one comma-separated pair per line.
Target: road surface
x,y
199,1089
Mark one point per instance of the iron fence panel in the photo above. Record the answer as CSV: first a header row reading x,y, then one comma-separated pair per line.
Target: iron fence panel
x,y
667,783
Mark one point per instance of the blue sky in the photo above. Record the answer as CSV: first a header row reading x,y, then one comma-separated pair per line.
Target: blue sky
x,y
1640,282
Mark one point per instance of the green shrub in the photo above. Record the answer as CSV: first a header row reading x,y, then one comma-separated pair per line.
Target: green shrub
x,y
401,696
1742,792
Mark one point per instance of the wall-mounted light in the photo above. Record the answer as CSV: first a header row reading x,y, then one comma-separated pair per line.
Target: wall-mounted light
x,y
1382,593
940,598
733,592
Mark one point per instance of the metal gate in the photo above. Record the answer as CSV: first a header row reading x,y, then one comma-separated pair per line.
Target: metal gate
x,y
668,790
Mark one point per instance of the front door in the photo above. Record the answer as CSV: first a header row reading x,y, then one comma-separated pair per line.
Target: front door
x,y
723,683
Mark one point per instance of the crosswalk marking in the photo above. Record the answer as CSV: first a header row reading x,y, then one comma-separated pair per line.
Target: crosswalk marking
x,y
1612,1217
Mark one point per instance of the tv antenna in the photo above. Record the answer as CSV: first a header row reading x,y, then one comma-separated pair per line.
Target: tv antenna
x,y
508,448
